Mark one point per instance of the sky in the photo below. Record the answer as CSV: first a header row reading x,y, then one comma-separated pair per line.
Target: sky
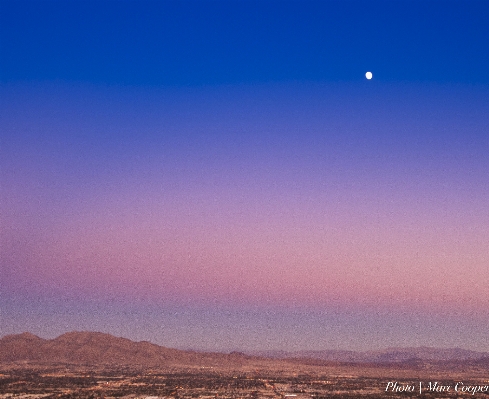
x,y
220,175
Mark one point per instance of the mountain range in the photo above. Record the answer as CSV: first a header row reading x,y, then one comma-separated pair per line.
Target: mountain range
x,y
101,348
390,355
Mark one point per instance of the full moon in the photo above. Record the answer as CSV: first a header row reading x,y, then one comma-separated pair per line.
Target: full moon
x,y
368,75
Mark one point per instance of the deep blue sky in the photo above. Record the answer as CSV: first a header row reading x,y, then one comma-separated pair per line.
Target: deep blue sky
x,y
174,43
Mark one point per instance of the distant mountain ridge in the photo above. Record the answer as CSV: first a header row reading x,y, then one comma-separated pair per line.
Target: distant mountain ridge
x,y
389,355
101,348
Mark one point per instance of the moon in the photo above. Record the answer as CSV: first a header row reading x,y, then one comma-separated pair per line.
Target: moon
x,y
368,75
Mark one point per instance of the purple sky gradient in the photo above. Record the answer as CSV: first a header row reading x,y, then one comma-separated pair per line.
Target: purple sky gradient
x,y
267,216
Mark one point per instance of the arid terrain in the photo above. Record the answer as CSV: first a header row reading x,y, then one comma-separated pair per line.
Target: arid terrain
x,y
95,365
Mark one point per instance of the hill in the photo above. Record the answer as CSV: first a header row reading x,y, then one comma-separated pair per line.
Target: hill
x,y
100,348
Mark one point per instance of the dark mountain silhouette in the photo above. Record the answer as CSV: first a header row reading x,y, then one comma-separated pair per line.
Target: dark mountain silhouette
x,y
100,348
